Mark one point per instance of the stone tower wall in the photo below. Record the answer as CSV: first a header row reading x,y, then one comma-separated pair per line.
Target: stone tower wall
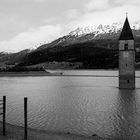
x,y
126,64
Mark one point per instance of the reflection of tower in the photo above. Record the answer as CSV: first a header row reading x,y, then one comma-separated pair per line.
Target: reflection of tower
x,y
126,124
126,58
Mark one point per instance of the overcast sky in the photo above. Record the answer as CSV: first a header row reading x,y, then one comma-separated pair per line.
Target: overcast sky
x,y
27,23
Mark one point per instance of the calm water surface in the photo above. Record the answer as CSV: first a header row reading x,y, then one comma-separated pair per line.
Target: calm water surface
x,y
77,104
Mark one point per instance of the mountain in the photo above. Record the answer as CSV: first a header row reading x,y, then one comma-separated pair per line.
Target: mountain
x,y
91,47
81,35
12,59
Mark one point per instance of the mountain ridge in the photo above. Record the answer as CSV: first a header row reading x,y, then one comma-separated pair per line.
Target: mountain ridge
x,y
89,33
83,45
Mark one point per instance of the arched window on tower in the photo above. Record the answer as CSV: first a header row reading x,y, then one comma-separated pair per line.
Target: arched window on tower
x,y
126,46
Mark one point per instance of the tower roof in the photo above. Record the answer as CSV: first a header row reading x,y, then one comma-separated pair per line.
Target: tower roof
x,y
126,33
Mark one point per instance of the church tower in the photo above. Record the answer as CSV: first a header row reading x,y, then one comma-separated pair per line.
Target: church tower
x,y
126,58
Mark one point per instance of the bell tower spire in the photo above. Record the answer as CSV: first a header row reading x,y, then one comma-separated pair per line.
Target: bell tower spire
x,y
126,57
126,33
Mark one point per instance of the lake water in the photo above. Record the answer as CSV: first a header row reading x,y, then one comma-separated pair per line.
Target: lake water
x,y
78,104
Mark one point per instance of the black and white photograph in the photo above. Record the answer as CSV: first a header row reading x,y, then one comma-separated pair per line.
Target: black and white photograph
x,y
69,69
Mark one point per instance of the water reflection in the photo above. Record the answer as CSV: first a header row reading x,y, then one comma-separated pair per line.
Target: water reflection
x,y
126,122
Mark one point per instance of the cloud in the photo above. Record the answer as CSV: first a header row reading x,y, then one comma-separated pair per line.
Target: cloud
x,y
66,15
97,5
101,5
11,26
134,2
38,0
71,13
31,38
124,2
116,3
96,15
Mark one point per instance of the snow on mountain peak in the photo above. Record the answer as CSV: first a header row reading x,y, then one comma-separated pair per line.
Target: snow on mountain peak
x,y
102,29
98,29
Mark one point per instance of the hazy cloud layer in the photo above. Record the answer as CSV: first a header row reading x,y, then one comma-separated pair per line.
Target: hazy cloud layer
x,y
97,5
32,38
27,23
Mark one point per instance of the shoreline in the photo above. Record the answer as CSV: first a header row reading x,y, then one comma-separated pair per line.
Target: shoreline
x,y
38,74
42,74
14,132
18,74
47,74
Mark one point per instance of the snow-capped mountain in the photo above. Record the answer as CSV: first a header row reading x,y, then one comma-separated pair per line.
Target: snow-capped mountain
x,y
91,33
96,30
99,43
102,29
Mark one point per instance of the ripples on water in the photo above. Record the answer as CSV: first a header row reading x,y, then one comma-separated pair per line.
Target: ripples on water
x,y
83,105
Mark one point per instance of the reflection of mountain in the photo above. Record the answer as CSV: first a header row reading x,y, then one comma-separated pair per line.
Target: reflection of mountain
x,y
94,47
